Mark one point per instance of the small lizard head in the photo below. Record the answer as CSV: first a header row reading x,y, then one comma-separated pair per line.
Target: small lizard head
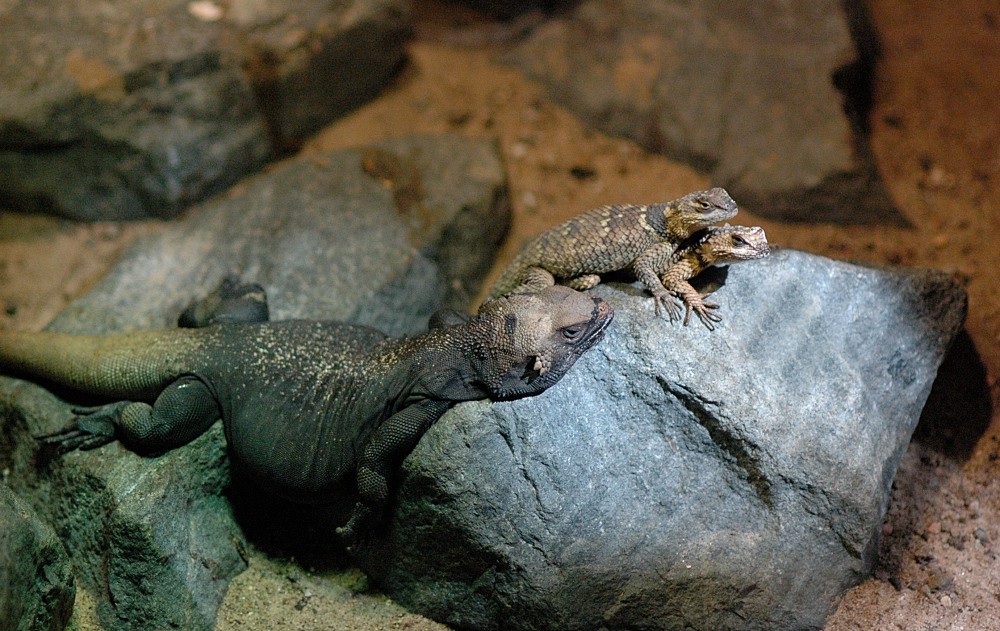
x,y
697,210
731,244
536,338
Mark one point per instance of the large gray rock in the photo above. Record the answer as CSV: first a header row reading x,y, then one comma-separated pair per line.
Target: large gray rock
x,y
741,90
312,61
36,578
119,110
361,235
678,478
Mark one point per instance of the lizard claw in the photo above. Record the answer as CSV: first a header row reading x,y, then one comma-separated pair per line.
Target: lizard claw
x,y
348,535
665,301
90,429
703,310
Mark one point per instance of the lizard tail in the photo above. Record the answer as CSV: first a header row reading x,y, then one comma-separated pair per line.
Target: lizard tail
x,y
131,365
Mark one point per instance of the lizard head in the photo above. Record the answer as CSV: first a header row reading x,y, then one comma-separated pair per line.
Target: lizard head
x,y
738,243
697,210
536,338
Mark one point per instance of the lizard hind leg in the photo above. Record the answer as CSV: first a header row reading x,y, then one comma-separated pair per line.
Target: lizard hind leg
x,y
183,411
232,301
584,282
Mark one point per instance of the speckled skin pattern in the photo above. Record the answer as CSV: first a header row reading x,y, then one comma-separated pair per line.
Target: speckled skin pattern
x,y
637,238
711,246
307,406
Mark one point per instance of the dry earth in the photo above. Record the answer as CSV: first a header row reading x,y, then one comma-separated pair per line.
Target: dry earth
x,y
936,137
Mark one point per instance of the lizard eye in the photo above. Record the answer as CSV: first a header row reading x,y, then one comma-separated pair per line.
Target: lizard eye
x,y
740,241
573,331
703,204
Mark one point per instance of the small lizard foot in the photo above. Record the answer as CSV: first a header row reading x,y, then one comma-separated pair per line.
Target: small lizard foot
x,y
703,310
93,427
665,301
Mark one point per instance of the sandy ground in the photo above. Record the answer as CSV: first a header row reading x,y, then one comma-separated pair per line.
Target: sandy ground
x,y
936,137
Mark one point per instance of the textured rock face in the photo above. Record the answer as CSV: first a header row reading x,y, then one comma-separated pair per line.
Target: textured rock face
x,y
679,478
381,236
120,110
311,62
36,578
742,90
359,235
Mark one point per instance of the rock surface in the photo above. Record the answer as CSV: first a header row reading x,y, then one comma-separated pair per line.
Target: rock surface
x,y
36,578
128,109
311,62
119,110
153,537
744,91
678,478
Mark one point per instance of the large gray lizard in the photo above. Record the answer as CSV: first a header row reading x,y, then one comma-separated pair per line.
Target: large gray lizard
x,y
308,407
637,238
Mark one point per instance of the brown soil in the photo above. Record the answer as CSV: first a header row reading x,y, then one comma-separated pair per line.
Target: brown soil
x,y
936,137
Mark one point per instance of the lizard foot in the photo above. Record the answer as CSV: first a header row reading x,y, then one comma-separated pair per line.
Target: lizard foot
x,y
663,300
92,427
348,535
232,301
704,312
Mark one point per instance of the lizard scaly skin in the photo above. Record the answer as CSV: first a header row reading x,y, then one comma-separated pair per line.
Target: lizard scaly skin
x,y
637,238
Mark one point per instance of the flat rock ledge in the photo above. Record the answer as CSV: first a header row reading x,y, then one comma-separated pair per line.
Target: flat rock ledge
x,y
754,93
678,478
378,235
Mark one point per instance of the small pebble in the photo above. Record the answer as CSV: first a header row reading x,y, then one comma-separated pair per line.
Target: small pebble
x,y
529,199
981,536
946,600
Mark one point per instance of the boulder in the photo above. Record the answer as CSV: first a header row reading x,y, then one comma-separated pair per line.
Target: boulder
x,y
121,110
679,478
745,91
36,578
366,235
311,62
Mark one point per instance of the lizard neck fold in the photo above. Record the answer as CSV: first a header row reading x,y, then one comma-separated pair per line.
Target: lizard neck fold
x,y
438,364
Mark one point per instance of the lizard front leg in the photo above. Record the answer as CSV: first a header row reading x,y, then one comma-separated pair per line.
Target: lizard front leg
x,y
646,268
675,279
384,451
183,411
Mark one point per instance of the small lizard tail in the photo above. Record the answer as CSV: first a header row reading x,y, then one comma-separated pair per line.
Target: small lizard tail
x,y
131,365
